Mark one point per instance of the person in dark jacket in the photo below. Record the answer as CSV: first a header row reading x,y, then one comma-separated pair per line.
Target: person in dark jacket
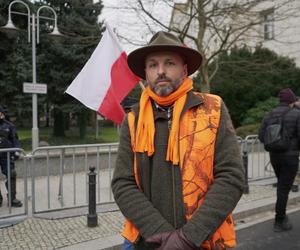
x,y
285,164
8,139
178,173
295,187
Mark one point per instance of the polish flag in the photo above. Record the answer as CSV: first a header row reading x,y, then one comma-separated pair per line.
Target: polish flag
x,y
105,79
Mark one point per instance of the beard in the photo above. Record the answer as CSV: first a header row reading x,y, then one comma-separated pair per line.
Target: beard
x,y
164,90
167,89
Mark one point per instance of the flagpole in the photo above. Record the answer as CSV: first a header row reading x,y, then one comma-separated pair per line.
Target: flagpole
x,y
141,85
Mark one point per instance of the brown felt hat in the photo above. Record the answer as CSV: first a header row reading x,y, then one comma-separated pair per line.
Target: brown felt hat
x,y
163,41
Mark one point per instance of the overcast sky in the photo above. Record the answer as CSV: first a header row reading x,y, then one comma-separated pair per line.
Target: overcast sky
x,y
128,25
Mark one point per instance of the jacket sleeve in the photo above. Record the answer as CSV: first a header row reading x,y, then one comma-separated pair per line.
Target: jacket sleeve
x,y
134,205
298,128
14,137
227,188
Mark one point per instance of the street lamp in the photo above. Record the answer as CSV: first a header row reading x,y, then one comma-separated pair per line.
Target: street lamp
x,y
33,27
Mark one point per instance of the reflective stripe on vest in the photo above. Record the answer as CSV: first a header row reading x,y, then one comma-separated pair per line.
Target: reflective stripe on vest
x,y
197,137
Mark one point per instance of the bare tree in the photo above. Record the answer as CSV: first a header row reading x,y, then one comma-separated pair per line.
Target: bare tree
x,y
213,26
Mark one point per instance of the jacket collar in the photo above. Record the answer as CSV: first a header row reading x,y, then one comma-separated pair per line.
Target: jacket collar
x,y
192,100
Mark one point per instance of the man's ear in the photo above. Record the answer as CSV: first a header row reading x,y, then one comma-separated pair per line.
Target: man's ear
x,y
185,70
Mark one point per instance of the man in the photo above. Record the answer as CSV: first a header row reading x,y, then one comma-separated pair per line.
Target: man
x,y
284,163
295,186
8,139
178,173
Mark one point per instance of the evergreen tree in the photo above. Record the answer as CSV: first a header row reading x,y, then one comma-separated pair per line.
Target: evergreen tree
x,y
15,63
62,58
59,59
247,77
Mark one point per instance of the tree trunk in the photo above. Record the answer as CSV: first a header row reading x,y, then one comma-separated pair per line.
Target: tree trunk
x,y
58,127
204,83
67,121
82,122
47,114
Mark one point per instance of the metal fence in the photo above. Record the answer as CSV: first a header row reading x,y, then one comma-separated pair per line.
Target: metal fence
x,y
259,166
65,183
55,178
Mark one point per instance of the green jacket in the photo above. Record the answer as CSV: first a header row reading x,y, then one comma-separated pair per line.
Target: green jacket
x,y
159,206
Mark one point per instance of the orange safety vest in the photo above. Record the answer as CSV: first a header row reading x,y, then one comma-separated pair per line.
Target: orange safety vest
x,y
197,137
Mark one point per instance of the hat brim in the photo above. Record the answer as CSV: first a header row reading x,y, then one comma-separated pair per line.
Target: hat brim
x,y
136,59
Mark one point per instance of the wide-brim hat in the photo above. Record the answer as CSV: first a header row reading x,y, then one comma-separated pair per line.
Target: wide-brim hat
x,y
163,41
2,110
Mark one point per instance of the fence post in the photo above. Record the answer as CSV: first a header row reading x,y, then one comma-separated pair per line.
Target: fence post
x,y
92,218
245,163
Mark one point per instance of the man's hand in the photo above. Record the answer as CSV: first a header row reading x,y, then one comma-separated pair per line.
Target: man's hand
x,y
175,240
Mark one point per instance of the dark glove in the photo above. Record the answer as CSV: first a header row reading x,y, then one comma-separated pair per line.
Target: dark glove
x,y
175,240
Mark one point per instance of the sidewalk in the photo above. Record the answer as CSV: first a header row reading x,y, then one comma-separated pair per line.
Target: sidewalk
x,y
73,233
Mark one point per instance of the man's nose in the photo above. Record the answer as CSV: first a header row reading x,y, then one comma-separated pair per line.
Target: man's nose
x,y
161,69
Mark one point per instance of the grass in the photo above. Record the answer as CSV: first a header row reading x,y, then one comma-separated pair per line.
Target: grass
x,y
106,135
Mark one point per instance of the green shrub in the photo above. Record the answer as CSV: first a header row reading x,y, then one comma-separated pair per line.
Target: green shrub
x,y
256,114
251,129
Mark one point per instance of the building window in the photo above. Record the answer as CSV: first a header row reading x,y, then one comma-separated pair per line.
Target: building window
x,y
268,25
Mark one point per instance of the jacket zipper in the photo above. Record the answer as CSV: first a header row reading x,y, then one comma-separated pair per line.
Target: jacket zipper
x,y
173,174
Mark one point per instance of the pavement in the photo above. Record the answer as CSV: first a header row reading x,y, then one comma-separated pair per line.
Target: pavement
x,y
69,231
267,239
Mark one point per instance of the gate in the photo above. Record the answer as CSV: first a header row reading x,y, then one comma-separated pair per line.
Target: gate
x,y
59,175
259,166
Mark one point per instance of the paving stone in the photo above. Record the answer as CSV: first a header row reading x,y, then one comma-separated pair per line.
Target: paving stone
x,y
37,233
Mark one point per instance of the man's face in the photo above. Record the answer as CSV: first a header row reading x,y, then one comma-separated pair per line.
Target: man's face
x,y
165,72
1,115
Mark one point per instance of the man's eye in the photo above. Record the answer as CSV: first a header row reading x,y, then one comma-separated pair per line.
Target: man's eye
x,y
170,63
152,65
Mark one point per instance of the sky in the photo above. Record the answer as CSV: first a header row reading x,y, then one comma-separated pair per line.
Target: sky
x,y
127,25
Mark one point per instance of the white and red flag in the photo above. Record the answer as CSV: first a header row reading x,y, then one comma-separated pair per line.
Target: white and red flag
x,y
105,80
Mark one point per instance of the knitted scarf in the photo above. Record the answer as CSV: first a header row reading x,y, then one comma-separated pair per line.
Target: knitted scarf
x,y
145,127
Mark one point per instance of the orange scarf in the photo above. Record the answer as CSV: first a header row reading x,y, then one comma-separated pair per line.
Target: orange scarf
x,y
145,127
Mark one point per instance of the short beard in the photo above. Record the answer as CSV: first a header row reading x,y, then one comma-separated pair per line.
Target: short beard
x,y
167,90
164,91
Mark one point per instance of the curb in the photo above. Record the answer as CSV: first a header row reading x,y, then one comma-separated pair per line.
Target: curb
x,y
114,242
265,217
261,206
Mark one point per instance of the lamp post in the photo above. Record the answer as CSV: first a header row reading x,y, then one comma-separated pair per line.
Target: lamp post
x,y
33,27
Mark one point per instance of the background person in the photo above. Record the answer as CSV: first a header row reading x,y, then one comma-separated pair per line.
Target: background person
x,y
295,187
285,164
178,173
8,139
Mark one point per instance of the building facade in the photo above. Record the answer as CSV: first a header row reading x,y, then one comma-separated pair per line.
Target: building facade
x,y
274,24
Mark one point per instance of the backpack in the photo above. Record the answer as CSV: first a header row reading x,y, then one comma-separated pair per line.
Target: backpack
x,y
276,137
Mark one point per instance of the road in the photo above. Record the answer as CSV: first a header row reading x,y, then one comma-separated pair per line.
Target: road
x,y
261,236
